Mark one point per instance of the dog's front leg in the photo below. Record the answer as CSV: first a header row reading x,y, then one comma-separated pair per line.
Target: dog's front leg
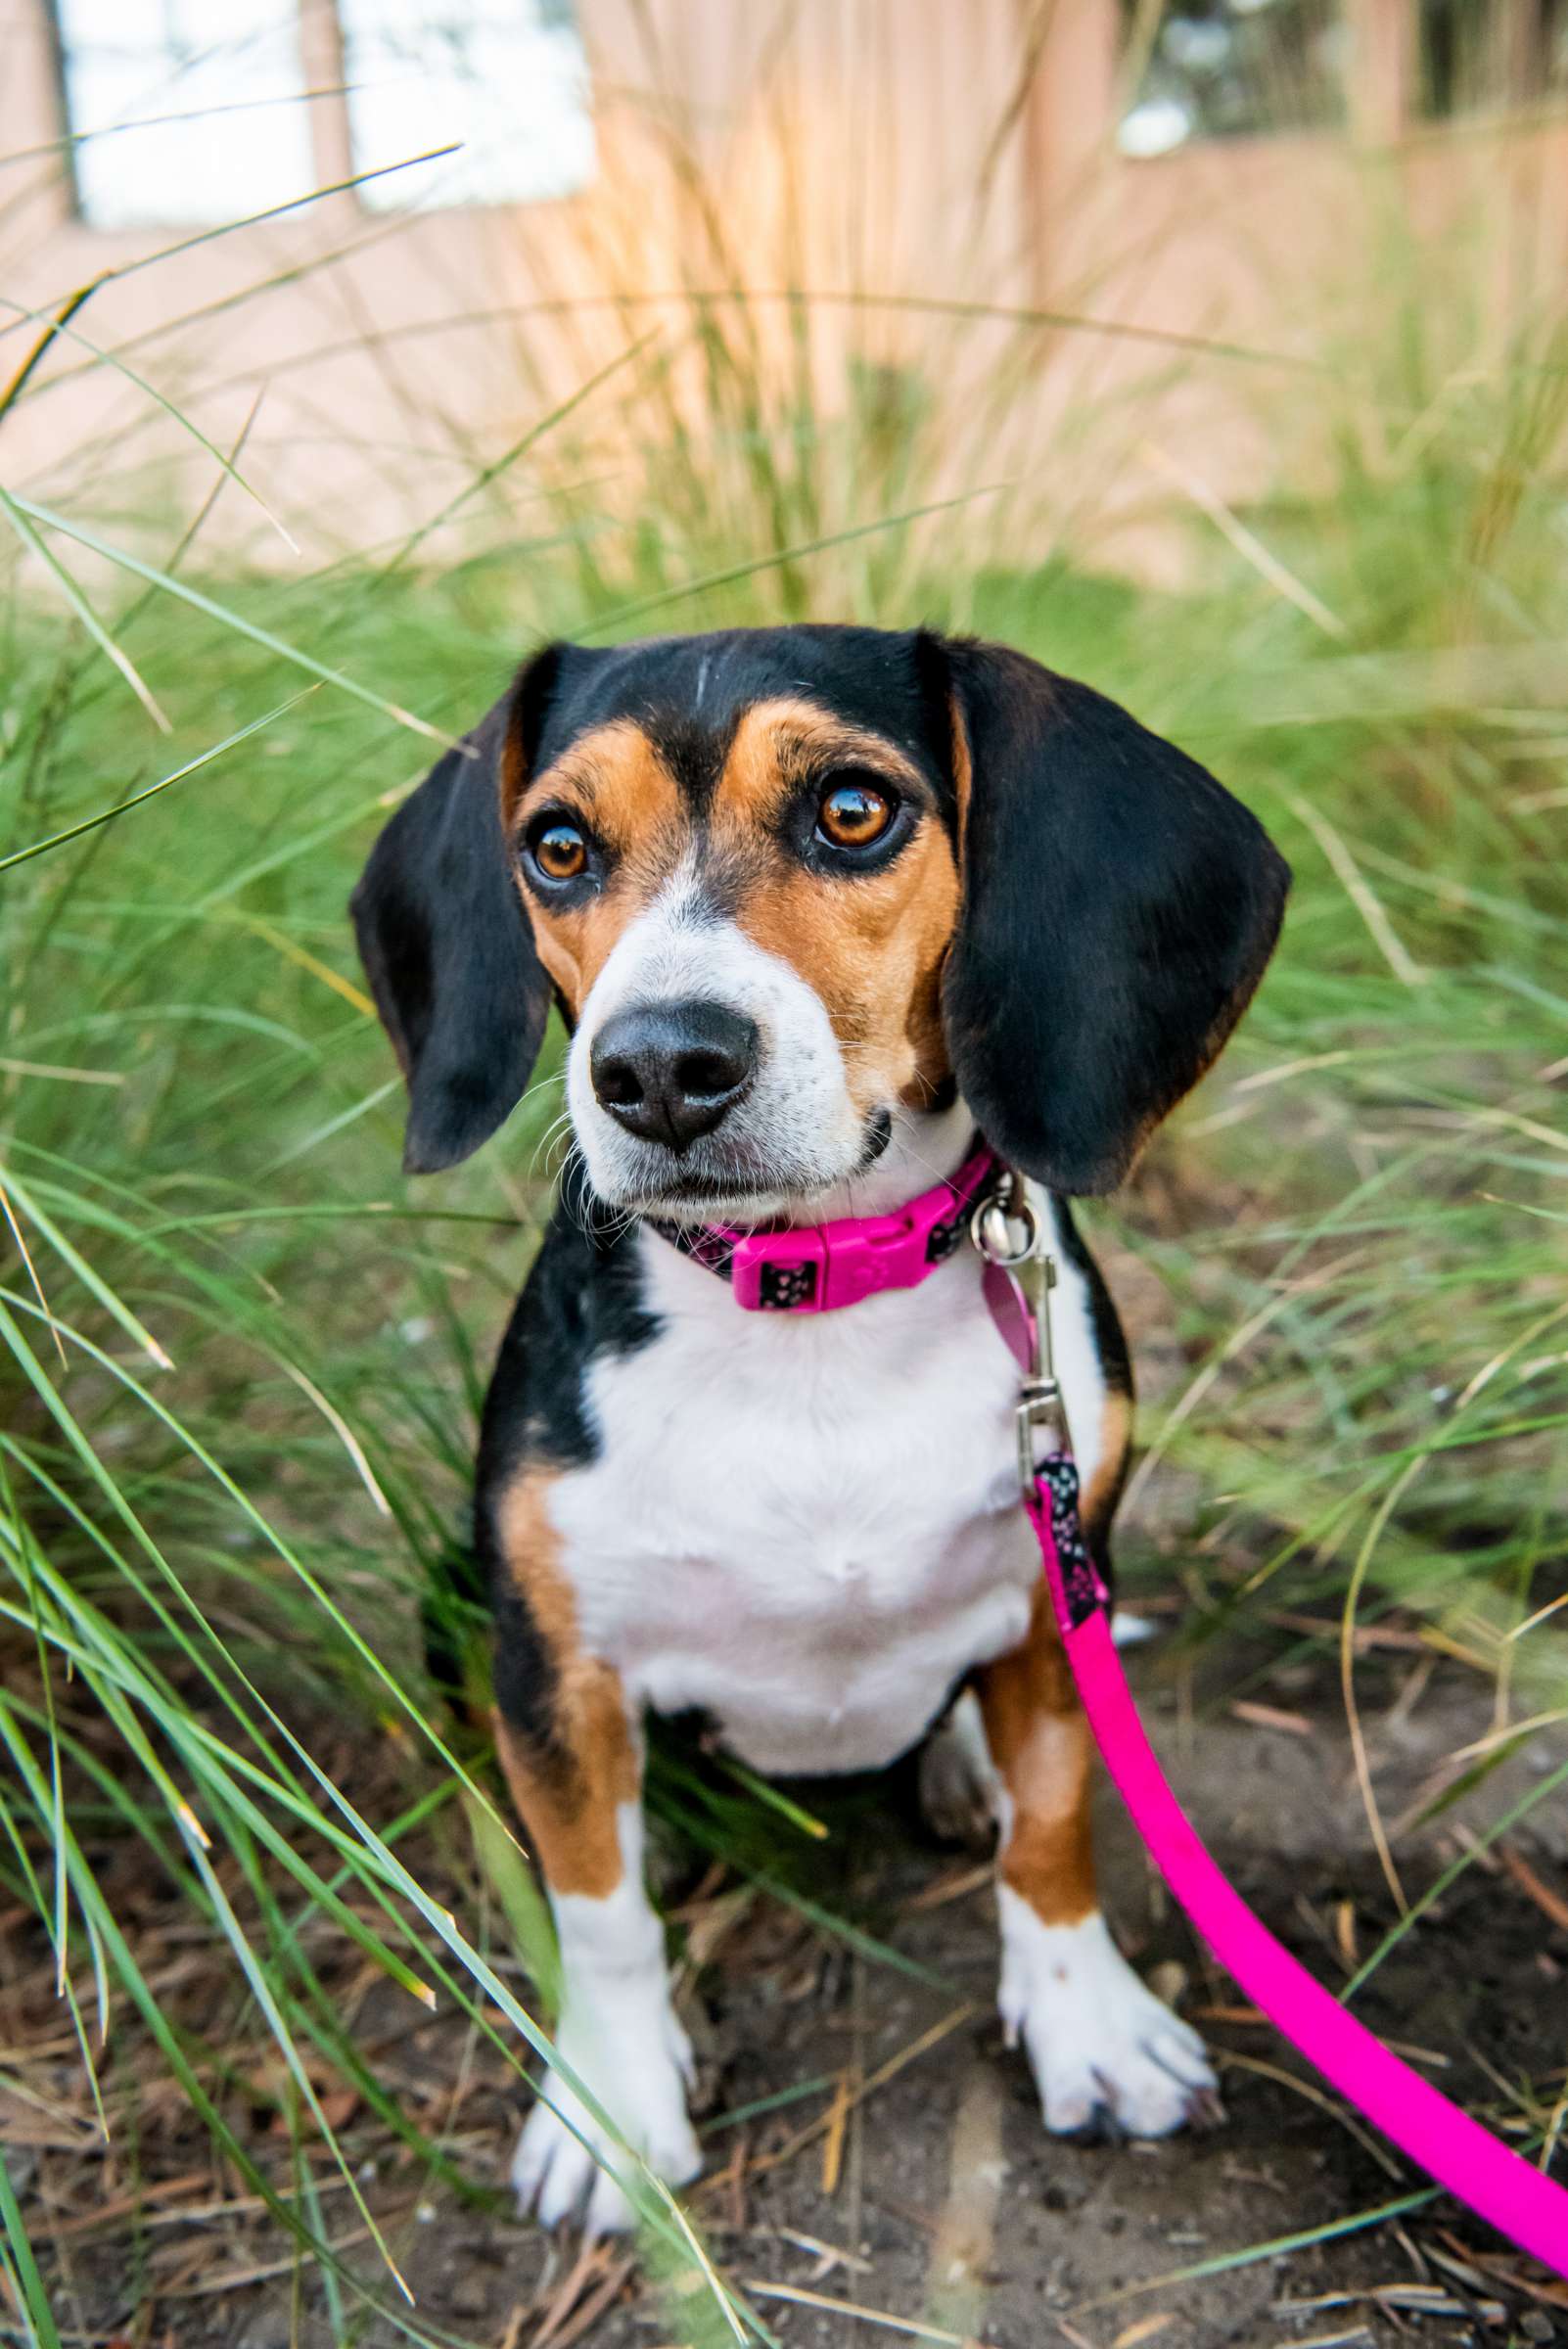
x,y
576,1779
1102,2048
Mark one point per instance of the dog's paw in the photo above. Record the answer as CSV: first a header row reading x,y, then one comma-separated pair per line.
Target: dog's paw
x,y
1104,2051
638,2067
958,1784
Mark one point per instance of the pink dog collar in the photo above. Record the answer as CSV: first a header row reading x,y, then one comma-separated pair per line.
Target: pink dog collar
x,y
817,1267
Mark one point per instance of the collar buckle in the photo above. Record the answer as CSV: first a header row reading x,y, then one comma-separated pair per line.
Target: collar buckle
x,y
781,1272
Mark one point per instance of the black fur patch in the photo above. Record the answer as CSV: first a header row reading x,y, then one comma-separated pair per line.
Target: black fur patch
x,y
1110,1339
449,956
1116,1367
1119,909
583,1298
524,1680
689,693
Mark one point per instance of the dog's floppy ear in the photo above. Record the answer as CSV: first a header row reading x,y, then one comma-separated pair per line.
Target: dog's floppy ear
x,y
445,941
1119,909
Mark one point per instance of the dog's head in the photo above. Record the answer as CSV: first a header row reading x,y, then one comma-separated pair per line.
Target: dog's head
x,y
785,883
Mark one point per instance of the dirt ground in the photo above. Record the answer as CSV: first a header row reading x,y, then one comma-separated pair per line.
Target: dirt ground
x,y
915,2181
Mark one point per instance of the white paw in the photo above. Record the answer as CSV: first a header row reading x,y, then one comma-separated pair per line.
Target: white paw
x,y
637,2062
1102,2048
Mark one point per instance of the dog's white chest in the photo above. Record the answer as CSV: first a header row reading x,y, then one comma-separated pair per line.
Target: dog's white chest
x,y
808,1526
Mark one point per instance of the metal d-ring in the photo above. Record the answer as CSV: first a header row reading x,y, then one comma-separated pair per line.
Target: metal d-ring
x,y
989,1227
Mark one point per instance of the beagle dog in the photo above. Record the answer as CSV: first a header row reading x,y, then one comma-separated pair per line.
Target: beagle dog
x,y
817,906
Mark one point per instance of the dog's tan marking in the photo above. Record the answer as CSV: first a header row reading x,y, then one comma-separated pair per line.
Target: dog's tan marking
x,y
780,744
923,1024
1039,1742
872,945
613,778
568,1783
1037,1731
963,764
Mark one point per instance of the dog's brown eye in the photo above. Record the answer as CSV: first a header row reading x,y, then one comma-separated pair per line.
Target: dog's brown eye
x,y
560,852
852,815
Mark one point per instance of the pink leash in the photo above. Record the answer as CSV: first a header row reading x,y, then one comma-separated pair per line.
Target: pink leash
x,y
1520,2202
817,1270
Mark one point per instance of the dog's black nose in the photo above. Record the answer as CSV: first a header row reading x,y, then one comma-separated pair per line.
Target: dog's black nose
x,y
670,1071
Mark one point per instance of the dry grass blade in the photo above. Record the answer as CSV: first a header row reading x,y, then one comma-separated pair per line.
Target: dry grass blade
x,y
1551,1903
584,2318
520,448
1452,1873
594,2261
1224,2263
869,2087
913,2326
1324,2103
62,319
1246,542
1361,895
833,2139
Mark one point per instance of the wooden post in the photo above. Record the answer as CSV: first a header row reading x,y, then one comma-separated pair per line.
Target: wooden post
x,y
324,64
42,191
1380,76
1069,123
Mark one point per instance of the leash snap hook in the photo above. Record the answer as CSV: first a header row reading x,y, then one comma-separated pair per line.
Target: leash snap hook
x,y
1040,1395
1030,1272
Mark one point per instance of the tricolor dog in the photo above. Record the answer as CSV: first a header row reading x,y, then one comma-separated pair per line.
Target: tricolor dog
x,y
819,906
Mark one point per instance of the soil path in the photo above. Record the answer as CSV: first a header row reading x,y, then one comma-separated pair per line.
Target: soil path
x,y
934,2198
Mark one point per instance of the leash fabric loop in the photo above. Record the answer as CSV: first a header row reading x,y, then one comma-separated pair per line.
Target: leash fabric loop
x,y
1519,2200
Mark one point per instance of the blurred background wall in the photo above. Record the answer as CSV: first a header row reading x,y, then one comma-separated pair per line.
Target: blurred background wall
x,y
834,186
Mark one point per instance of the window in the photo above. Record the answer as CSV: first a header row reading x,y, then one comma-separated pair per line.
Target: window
x,y
1226,68
507,79
229,74
1481,53
191,112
